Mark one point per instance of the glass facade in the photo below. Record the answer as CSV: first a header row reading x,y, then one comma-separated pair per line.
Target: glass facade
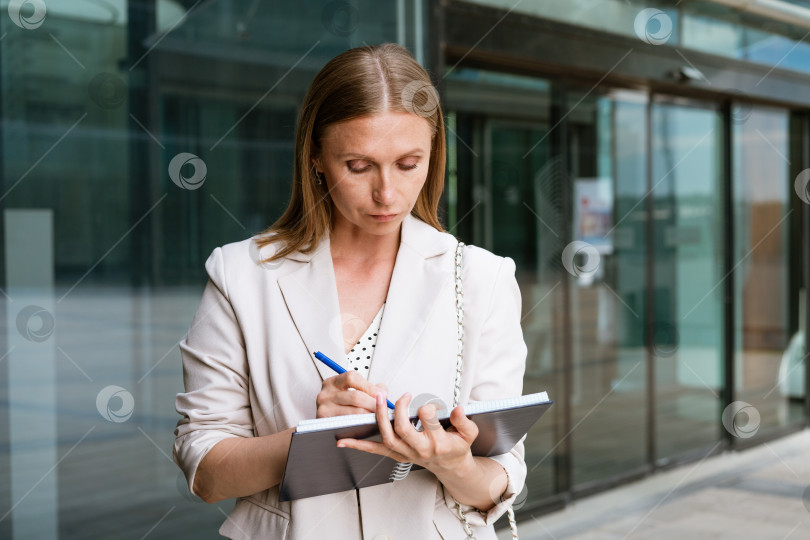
x,y
659,240
615,16
136,136
718,29
632,330
709,26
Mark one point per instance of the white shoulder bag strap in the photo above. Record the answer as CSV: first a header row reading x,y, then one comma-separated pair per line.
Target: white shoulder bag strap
x,y
457,386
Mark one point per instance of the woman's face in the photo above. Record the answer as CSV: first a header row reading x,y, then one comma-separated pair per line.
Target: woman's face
x,y
375,166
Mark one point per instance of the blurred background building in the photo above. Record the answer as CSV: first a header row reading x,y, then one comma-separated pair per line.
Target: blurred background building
x,y
642,163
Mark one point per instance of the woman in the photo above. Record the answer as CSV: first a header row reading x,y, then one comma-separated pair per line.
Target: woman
x,y
360,268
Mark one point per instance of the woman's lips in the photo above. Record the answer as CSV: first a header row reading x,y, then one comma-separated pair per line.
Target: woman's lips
x,y
383,217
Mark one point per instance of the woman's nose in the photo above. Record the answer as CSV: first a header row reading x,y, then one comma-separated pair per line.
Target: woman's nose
x,y
383,191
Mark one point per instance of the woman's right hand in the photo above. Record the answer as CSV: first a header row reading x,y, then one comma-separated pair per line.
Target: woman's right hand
x,y
347,393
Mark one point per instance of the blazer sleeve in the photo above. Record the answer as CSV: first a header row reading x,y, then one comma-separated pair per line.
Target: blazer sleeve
x,y
501,362
216,403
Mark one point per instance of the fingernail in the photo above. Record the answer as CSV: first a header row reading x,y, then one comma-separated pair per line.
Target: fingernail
x,y
380,398
341,445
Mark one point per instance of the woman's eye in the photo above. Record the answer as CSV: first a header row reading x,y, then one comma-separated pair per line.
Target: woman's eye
x,y
358,166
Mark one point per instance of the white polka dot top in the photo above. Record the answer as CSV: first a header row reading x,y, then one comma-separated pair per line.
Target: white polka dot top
x,y
359,358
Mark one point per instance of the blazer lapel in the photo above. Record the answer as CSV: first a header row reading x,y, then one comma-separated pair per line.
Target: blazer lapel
x,y
310,293
412,296
311,297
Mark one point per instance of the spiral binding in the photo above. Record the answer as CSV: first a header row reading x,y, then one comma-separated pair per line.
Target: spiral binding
x,y
402,468
400,471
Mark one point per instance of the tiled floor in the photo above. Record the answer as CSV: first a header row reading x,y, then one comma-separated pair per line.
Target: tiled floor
x,y
761,493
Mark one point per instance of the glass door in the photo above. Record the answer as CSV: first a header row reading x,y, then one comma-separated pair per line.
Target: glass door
x,y
769,300
524,211
687,327
605,262
615,206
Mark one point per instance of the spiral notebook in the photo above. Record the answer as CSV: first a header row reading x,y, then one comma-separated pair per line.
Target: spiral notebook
x,y
316,466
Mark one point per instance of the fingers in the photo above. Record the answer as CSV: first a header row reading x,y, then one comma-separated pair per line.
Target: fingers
x,y
348,393
432,447
387,435
334,410
433,439
351,379
371,447
332,402
354,398
465,427
402,421
422,444
429,417
391,445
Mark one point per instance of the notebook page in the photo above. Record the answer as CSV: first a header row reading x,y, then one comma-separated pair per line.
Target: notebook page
x,y
318,424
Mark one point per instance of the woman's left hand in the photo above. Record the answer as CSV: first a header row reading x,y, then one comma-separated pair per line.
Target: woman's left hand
x,y
434,448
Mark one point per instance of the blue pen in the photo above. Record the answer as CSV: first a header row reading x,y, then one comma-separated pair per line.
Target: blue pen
x,y
338,368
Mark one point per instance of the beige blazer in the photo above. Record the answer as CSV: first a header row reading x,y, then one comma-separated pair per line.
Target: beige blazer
x,y
249,371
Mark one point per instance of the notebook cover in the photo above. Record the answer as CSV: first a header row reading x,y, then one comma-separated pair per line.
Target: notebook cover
x,y
316,466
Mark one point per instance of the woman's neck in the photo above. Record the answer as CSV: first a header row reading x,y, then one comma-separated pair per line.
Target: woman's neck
x,y
352,244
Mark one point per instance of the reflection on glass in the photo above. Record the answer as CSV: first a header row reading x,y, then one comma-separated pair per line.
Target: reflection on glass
x,y
617,16
706,26
727,31
607,137
95,105
525,216
687,325
767,301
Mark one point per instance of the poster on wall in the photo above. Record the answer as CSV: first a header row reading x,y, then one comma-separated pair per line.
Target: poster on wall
x,y
593,213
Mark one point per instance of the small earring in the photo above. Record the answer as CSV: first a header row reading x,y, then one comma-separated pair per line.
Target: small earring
x,y
319,178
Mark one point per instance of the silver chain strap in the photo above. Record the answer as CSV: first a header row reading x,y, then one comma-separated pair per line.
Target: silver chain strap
x,y
459,361
459,325
457,385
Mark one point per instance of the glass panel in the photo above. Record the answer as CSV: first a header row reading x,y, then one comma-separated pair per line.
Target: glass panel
x,y
718,29
616,16
607,142
103,253
769,312
705,26
509,200
526,225
687,324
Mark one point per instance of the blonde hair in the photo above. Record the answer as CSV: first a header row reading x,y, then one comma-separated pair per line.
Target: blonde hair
x,y
356,83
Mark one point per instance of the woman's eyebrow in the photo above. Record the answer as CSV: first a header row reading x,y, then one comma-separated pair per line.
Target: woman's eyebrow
x,y
415,151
